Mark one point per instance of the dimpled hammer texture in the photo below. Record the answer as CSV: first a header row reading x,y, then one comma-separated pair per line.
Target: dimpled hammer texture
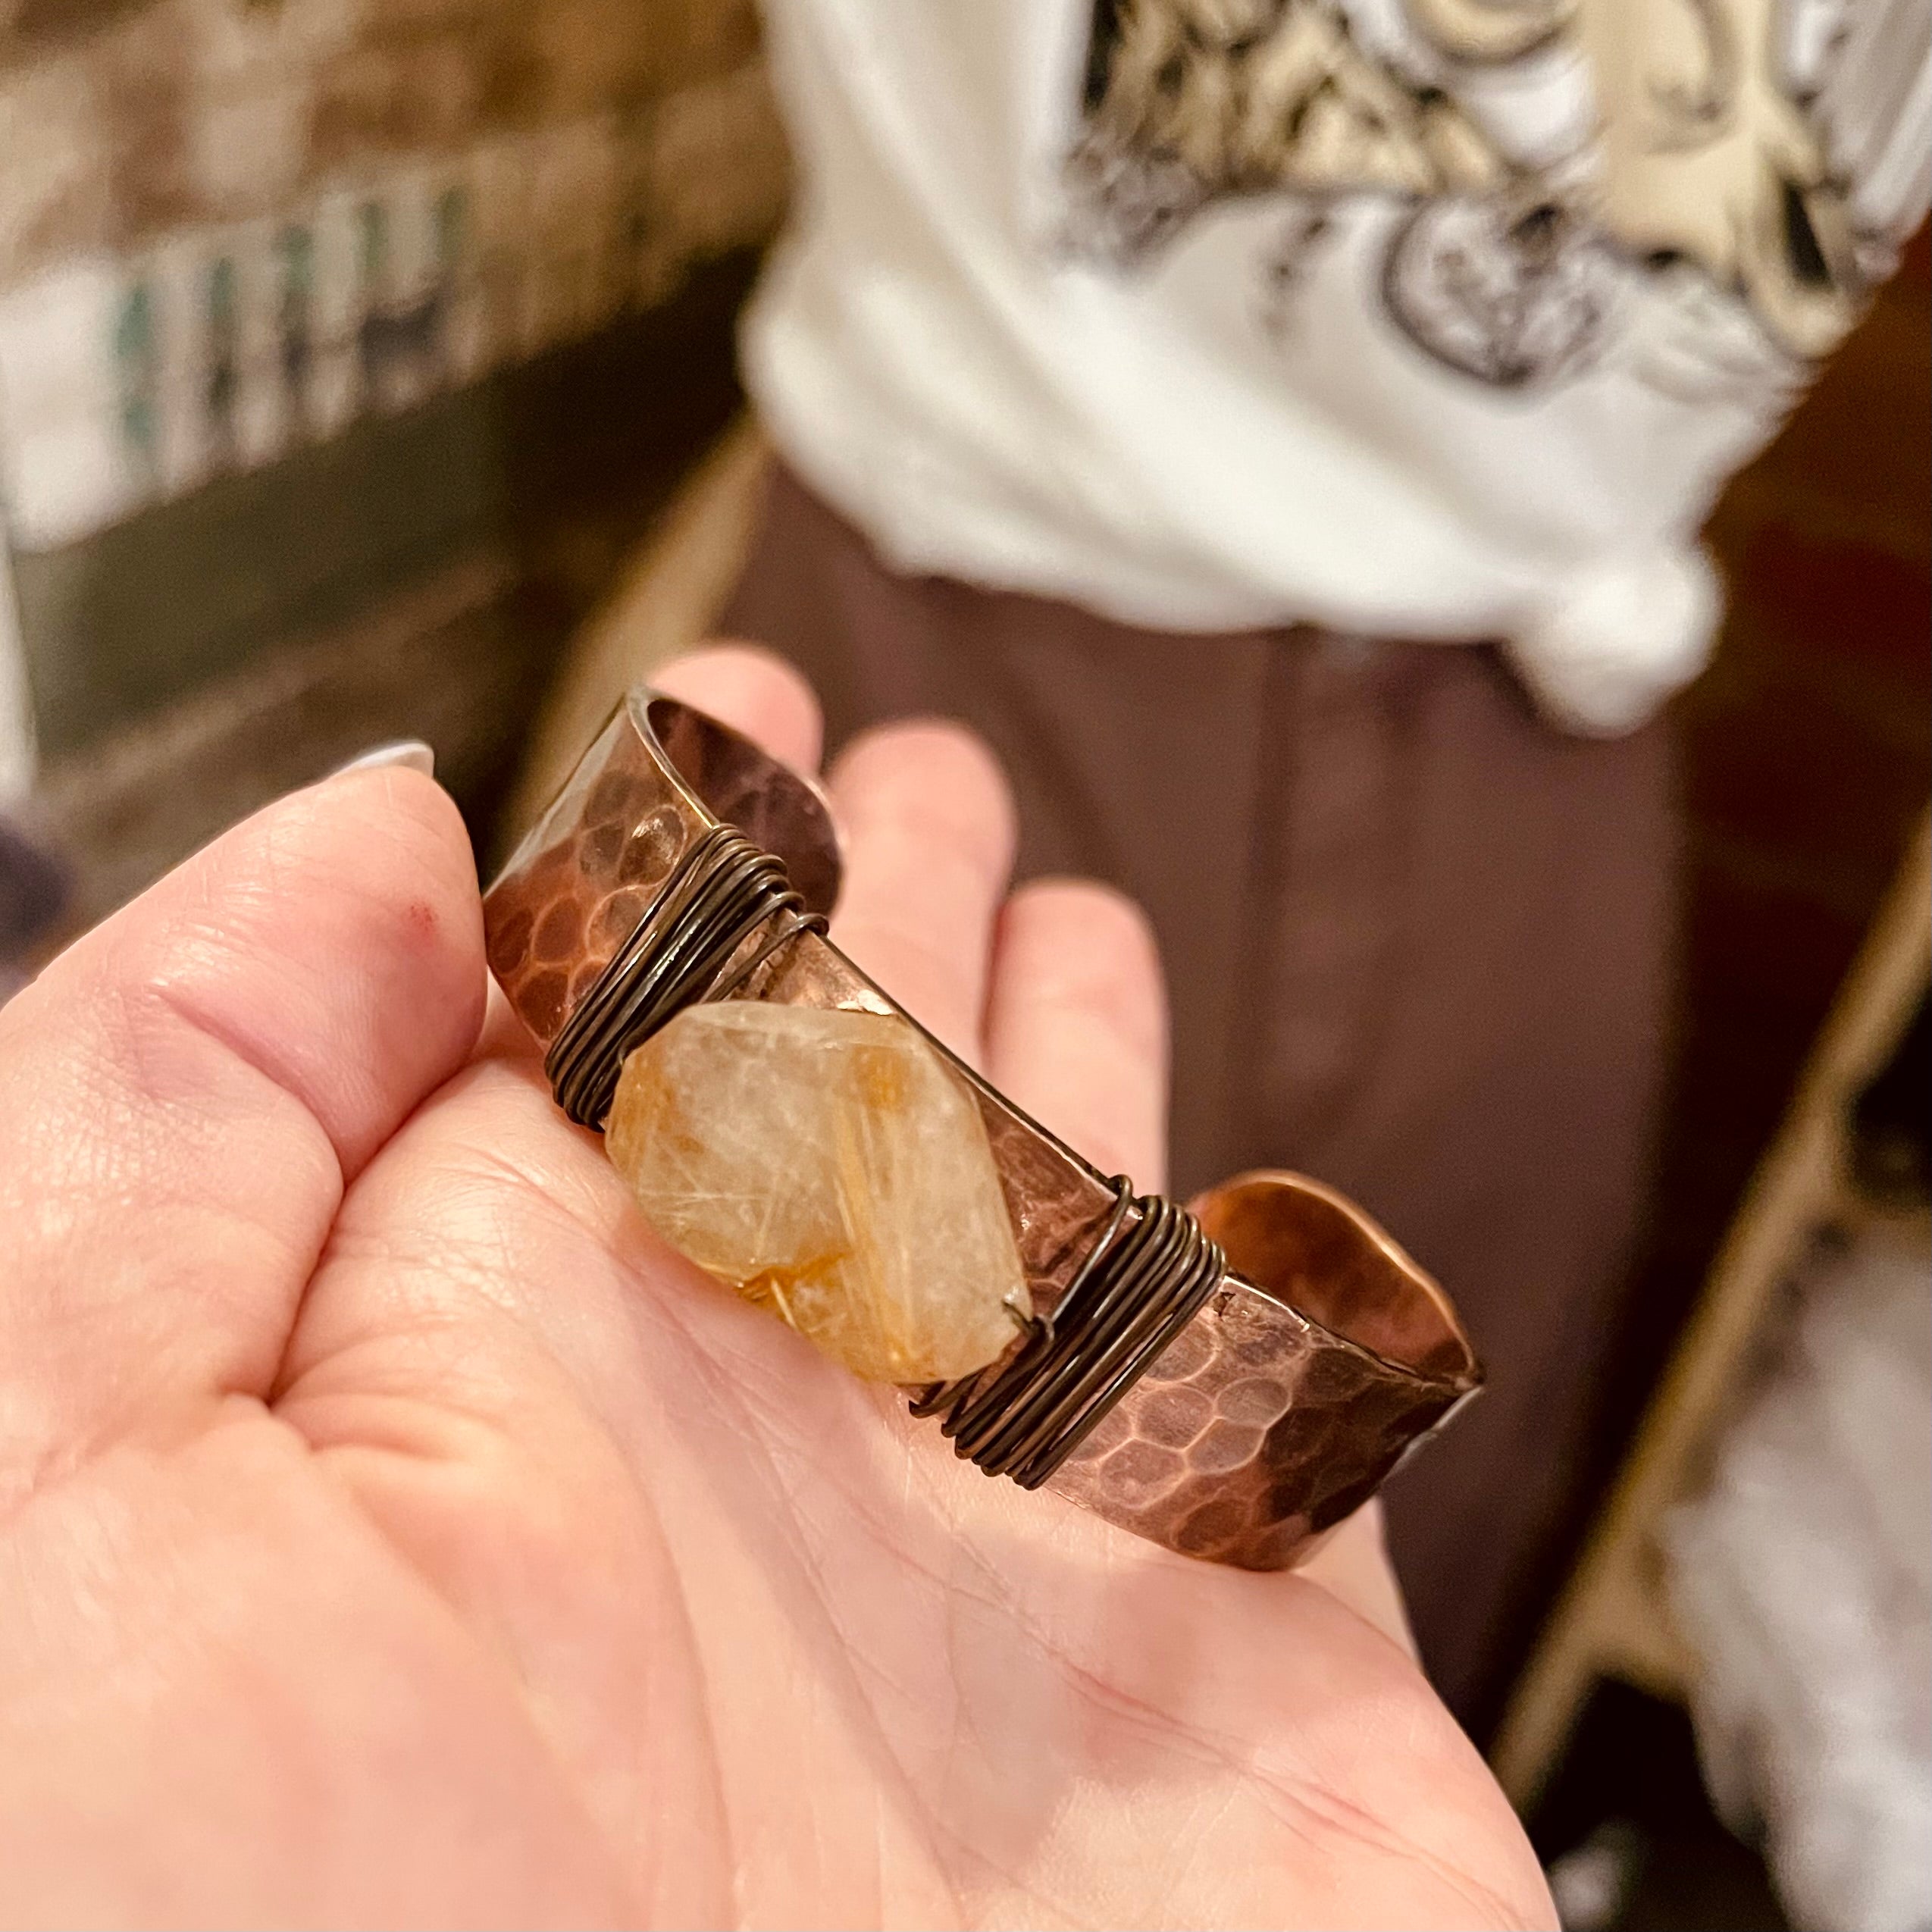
x,y
1257,1428
1253,1433
584,878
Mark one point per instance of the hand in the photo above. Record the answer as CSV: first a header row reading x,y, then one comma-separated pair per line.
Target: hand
x,y
392,1529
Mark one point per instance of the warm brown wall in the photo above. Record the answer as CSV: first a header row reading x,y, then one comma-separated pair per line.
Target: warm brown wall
x,y
266,563
174,392
122,119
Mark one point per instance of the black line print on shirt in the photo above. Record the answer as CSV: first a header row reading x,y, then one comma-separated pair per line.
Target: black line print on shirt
x,y
1753,161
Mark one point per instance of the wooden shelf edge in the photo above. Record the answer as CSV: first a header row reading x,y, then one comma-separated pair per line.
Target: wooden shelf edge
x,y
1611,1620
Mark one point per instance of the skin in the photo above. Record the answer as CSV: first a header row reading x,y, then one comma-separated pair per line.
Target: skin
x,y
393,1531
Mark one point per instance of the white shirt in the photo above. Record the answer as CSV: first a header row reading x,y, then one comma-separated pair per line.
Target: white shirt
x,y
1431,318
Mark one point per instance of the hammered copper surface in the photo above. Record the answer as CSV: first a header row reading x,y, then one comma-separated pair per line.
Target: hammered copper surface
x,y
1310,1247
581,879
1258,1427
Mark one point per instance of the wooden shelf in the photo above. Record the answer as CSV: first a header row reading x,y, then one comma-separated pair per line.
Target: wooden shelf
x,y
1613,1619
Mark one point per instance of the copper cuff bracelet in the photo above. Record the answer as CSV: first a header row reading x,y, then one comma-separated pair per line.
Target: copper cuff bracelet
x,y
1230,1383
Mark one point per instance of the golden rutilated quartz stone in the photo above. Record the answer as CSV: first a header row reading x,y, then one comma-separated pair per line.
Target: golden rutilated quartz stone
x,y
829,1166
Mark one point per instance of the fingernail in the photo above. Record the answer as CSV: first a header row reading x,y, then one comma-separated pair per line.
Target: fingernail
x,y
411,753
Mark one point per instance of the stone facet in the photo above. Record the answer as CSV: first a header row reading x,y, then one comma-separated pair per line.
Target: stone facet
x,y
829,1167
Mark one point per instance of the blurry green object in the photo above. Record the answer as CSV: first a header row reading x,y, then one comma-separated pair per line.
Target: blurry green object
x,y
452,217
137,366
372,243
224,373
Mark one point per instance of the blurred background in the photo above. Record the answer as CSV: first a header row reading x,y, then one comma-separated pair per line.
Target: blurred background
x,y
367,370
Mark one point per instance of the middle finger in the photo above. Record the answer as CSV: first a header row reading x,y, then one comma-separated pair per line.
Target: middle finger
x,y
928,833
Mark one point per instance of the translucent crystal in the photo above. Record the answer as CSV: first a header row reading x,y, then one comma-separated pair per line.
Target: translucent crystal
x,y
829,1166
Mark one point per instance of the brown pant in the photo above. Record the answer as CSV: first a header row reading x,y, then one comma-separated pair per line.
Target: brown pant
x,y
1416,942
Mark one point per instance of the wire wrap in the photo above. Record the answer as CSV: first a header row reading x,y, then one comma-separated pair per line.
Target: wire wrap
x,y
1143,1279
722,889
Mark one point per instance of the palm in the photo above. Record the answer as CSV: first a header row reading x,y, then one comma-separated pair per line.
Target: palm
x,y
483,1563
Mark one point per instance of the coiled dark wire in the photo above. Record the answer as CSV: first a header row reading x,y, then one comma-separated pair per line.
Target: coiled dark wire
x,y
722,890
1148,1273
1146,1276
